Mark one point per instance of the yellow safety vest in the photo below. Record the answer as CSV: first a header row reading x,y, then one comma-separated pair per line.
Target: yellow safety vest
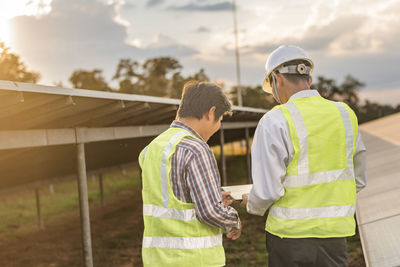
x,y
172,234
320,191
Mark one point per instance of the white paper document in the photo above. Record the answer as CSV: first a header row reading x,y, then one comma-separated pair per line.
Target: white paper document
x,y
237,190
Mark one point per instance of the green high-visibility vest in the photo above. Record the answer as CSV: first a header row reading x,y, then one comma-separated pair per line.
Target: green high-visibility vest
x,y
172,234
320,190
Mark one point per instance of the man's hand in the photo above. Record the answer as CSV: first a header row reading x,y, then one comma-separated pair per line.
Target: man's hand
x,y
234,233
245,198
226,198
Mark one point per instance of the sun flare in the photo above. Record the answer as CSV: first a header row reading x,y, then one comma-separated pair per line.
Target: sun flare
x,y
11,9
4,31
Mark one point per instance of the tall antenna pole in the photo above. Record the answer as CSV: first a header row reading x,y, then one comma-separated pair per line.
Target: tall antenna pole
x,y
239,89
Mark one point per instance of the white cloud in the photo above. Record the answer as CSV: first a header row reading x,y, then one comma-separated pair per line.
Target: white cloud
x,y
136,42
214,7
358,37
151,3
14,8
202,29
81,34
161,40
361,38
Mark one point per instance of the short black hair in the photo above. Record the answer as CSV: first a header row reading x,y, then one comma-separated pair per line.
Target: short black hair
x,y
198,97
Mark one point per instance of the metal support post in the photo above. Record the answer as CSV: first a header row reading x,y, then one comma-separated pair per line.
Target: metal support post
x,y
248,156
101,189
51,189
223,161
84,206
39,212
239,88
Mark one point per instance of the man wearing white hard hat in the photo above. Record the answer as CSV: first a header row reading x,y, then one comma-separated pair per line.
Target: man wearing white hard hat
x,y
308,163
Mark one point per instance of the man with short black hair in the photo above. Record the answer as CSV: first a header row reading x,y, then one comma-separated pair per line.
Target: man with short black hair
x,y
308,162
184,211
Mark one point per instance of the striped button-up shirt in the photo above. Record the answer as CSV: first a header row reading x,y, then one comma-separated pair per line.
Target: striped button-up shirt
x,y
195,179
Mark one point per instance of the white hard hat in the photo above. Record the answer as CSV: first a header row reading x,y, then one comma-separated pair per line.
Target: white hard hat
x,y
281,55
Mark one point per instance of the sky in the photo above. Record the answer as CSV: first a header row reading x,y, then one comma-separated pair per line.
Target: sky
x,y
357,37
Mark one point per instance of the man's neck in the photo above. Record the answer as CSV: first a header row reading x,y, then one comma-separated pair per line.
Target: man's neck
x,y
293,90
194,124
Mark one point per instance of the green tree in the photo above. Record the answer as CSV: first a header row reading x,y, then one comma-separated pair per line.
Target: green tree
x,y
159,76
153,77
372,111
254,97
178,81
326,87
128,75
13,69
92,80
156,72
348,93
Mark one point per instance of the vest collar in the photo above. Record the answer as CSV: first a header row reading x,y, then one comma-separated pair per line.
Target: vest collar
x,y
177,124
304,93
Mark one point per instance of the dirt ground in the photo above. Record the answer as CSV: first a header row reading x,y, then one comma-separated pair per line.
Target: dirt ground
x,y
116,233
116,237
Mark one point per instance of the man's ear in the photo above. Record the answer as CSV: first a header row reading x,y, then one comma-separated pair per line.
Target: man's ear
x,y
211,113
309,81
278,79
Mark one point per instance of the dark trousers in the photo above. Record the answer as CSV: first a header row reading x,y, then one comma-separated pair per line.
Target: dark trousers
x,y
306,252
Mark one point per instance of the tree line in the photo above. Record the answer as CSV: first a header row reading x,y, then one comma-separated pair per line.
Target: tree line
x,y
162,76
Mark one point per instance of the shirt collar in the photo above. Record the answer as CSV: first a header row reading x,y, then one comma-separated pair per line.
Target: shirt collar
x,y
304,93
177,124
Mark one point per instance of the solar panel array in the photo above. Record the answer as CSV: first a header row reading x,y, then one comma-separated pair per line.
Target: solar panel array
x,y
40,125
378,207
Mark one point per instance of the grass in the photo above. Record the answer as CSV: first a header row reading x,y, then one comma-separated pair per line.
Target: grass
x,y
18,212
249,249
114,247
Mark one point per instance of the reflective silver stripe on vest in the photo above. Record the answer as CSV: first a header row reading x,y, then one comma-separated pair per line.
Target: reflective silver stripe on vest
x,y
161,212
182,242
302,164
349,133
144,153
304,177
318,178
163,173
311,213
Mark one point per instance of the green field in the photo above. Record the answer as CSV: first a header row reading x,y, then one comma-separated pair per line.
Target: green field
x,y
116,227
19,213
